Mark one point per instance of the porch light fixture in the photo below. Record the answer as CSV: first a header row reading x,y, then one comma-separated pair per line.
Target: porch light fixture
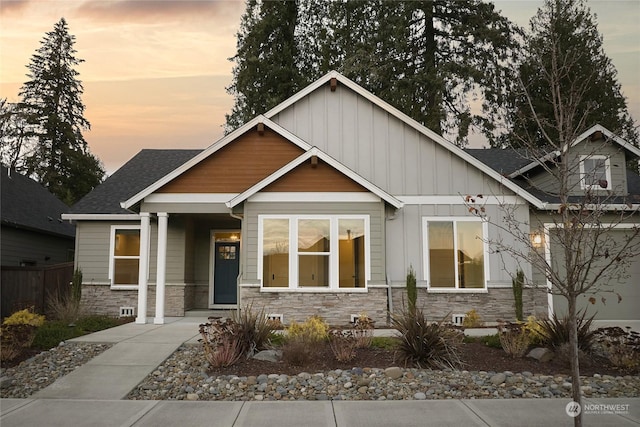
x,y
536,240
234,237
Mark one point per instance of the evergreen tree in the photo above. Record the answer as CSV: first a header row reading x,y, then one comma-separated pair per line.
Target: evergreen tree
x,y
266,72
426,58
13,139
564,39
53,109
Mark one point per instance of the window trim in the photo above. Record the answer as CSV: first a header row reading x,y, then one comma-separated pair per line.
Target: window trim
x,y
426,266
607,171
334,274
112,257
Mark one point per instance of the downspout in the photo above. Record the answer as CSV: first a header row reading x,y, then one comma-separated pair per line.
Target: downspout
x,y
232,215
389,301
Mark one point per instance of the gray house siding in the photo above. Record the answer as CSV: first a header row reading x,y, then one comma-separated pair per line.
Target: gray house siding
x,y
19,246
617,162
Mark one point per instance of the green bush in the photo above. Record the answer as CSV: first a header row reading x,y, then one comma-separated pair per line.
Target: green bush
x,y
312,330
555,331
427,345
518,285
52,333
492,341
90,324
412,289
385,343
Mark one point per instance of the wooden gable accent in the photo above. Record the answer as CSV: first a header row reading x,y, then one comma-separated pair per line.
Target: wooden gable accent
x,y
315,177
237,166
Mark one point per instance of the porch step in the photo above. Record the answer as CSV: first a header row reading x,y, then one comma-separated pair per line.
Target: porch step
x,y
208,313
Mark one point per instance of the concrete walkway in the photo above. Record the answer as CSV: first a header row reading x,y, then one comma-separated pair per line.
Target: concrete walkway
x,y
93,394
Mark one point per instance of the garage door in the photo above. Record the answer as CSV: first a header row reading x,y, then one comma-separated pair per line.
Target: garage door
x,y
626,285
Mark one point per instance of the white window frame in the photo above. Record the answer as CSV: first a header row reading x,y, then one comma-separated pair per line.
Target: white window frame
x,y
334,274
607,171
113,257
425,242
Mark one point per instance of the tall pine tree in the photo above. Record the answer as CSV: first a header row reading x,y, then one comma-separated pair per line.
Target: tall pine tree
x,y
266,72
52,106
563,40
426,58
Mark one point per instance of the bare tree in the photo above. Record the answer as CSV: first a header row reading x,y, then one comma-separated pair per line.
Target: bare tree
x,y
589,226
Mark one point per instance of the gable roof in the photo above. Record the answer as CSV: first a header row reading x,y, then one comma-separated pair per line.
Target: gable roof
x,y
145,168
153,186
314,151
27,204
596,128
438,139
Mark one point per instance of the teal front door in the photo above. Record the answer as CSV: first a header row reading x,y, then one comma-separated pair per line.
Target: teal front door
x,y
226,269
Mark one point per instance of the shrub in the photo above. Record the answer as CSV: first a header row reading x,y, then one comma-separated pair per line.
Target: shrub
x,y
514,339
518,285
492,341
412,289
385,343
221,342
53,333
472,319
296,351
253,329
555,331
61,306
424,345
90,324
17,332
312,330
532,325
620,347
363,330
343,343
76,286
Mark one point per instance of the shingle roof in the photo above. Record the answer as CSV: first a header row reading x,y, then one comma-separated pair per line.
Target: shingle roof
x,y
142,170
27,204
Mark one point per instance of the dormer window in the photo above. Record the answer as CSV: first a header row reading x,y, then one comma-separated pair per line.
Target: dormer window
x,y
595,173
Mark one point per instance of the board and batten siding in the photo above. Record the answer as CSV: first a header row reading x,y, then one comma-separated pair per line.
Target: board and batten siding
x,y
405,238
92,252
376,225
617,163
378,146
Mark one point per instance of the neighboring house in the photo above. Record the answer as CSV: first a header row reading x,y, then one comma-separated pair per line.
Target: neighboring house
x,y
33,233
319,206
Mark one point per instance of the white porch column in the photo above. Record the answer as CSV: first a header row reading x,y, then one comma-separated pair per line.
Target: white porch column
x,y
163,219
143,271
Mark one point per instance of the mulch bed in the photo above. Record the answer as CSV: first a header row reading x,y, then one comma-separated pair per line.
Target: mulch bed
x,y
476,356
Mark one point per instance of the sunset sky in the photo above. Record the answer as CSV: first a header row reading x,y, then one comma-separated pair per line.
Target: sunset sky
x,y
155,72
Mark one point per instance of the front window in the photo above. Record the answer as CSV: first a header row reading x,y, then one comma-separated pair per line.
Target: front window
x,y
125,255
455,254
329,252
595,172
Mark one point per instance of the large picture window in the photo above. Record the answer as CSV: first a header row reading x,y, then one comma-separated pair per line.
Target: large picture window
x,y
303,252
455,253
595,172
124,255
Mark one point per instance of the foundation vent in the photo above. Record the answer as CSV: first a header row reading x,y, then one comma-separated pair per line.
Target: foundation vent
x,y
274,317
457,319
127,312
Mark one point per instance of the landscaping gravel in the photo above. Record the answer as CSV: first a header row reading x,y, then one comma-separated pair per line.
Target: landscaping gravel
x,y
34,374
184,376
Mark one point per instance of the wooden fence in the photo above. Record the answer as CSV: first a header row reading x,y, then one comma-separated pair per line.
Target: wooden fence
x,y
23,287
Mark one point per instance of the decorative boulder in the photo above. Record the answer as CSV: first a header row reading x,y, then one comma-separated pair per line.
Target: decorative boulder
x,y
269,355
541,354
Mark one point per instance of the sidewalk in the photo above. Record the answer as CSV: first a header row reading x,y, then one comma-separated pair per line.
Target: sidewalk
x,y
92,396
485,412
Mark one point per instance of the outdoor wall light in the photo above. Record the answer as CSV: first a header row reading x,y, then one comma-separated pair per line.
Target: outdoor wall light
x,y
537,240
